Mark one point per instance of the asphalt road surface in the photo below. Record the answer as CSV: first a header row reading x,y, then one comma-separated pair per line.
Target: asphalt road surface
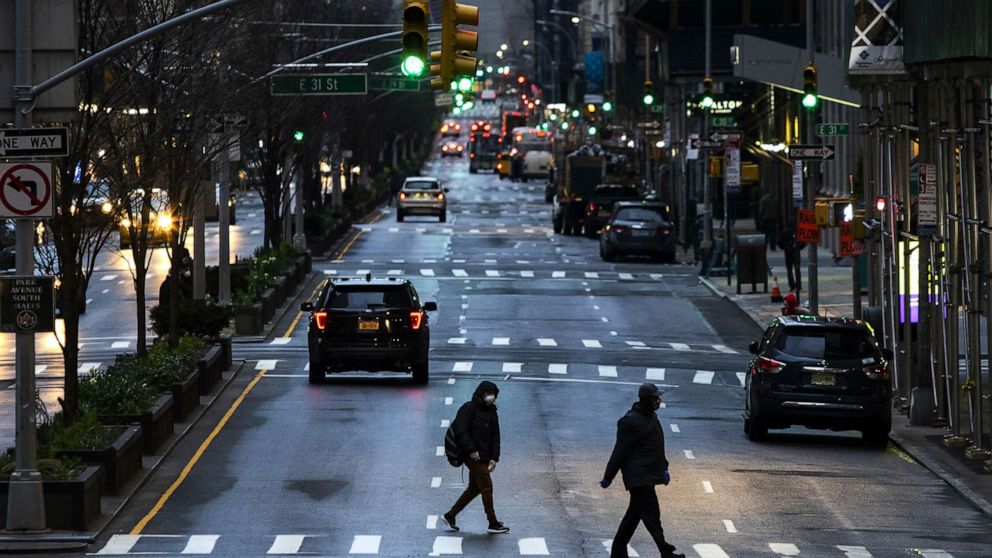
x,y
353,467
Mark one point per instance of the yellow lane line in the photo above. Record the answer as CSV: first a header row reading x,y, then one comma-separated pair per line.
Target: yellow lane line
x,y
900,454
348,247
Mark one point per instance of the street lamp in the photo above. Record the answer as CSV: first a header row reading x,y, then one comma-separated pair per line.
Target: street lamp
x,y
576,18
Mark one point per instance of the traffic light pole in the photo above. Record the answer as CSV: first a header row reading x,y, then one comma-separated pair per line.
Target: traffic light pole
x,y
707,198
811,170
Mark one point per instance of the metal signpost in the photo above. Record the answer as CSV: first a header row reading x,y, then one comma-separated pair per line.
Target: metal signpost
x,y
320,84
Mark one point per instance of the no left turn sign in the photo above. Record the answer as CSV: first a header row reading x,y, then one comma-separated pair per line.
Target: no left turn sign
x,y
26,190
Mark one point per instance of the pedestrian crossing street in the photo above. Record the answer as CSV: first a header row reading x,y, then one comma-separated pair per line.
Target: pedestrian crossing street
x,y
674,376
453,545
460,273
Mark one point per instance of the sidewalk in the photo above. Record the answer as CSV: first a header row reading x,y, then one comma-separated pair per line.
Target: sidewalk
x,y
922,444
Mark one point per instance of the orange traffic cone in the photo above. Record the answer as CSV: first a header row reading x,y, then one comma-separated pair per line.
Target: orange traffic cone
x,y
776,292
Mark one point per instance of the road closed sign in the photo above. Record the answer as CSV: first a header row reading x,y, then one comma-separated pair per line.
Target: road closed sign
x,y
26,190
807,230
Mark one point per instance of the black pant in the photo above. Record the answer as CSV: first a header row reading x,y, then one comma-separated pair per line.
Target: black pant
x,y
643,508
793,266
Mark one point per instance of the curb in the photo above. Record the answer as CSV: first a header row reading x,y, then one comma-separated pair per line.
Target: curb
x,y
717,291
973,498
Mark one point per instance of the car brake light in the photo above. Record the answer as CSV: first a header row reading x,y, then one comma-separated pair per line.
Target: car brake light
x,y
768,365
878,372
666,228
593,207
416,318
471,155
321,319
619,228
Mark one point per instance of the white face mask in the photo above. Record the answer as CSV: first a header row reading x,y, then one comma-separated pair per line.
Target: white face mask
x,y
489,399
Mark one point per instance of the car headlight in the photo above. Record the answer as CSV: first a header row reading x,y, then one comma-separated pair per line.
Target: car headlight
x,y
107,208
164,221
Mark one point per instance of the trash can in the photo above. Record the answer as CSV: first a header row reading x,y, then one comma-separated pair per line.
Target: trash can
x,y
752,262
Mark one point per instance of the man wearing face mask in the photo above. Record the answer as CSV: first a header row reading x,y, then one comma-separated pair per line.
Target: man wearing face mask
x,y
476,429
640,453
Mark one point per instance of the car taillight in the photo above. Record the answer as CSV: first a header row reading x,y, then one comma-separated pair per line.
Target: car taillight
x,y
619,228
416,318
471,155
592,207
768,365
499,156
666,228
402,195
320,318
878,372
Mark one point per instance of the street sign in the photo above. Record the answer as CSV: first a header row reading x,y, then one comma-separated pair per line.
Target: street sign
x,y
807,231
653,124
926,212
591,99
26,190
797,184
27,304
732,177
723,121
833,129
800,152
34,142
726,136
704,144
393,83
320,84
442,100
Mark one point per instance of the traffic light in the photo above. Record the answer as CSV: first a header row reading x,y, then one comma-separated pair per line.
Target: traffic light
x,y
457,45
648,98
465,84
707,101
415,17
607,102
298,135
810,96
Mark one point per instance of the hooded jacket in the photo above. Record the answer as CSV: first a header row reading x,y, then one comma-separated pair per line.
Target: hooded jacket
x,y
476,426
639,451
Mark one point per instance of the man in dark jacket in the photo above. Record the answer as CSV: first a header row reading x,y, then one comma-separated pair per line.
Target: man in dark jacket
x,y
640,453
476,428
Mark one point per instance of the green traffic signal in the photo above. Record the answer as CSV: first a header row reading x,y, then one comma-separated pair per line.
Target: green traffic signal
x,y
413,66
575,113
298,135
607,106
707,102
592,131
465,84
564,125
810,100
648,99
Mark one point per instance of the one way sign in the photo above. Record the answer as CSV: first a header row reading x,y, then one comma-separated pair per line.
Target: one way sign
x,y
799,152
34,142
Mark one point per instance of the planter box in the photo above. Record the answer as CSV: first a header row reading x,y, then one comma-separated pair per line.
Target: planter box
x,y
156,423
227,354
185,396
248,319
268,309
209,368
69,505
119,462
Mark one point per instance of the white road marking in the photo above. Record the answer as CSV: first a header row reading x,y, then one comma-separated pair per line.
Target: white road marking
x,y
656,374
430,261
427,272
855,551
105,291
592,275
709,551
307,367
281,341
108,277
432,522
200,544
933,553
421,229
636,343
449,400
527,274
741,377
595,307
436,482
446,545
492,273
445,423
703,377
605,319
608,545
708,487
451,381
464,306
557,369
368,261
725,349
512,367
501,341
365,544
395,272
439,451
88,367
363,272
679,346
40,369
608,371
266,365
689,454
558,274
474,231
120,345
456,341
398,261
656,276
533,547
784,549
394,229
119,544
545,342
502,231
459,273
255,232
592,344
729,526
121,282
675,428
89,301
626,276
462,367
330,272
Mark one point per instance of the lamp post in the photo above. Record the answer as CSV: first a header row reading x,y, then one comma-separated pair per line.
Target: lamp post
x,y
609,42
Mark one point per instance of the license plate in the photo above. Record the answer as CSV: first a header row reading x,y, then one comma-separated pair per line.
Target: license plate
x,y
823,379
604,213
368,325
643,233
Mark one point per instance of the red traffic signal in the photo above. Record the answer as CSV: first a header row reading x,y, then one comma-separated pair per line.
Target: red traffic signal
x,y
880,204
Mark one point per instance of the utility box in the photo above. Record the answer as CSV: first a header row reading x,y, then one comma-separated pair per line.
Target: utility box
x,y
752,262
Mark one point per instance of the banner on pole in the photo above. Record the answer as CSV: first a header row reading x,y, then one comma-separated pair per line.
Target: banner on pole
x,y
878,38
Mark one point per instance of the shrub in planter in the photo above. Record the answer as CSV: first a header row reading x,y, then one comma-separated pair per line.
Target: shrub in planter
x,y
116,449
200,318
121,389
72,492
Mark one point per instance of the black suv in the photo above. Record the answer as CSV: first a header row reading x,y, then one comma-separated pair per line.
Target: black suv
x,y
369,324
822,373
601,202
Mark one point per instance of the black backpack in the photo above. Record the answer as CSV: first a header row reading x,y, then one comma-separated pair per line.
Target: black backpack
x,y
451,448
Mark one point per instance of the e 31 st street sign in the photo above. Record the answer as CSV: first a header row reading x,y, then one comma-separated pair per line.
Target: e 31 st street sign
x,y
320,84
824,130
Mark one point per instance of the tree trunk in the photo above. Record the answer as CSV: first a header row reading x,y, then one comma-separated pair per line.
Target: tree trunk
x,y
174,278
140,270
70,359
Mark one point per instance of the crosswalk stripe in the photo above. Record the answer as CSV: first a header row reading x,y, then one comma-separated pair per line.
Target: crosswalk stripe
x,y
439,451
395,272
689,454
608,545
281,341
448,401
636,343
558,274
729,526
592,344
501,341
436,482
330,272
855,551
557,369
784,549
536,546
626,276
741,377
266,365
120,345
119,544
492,273
725,349
657,276
592,275
40,368
703,377
447,545
709,551
933,553
708,488
200,544
656,374
445,423
108,278
431,522
608,371
679,346
462,367
526,273
88,367
511,367
456,341
427,272
545,342
459,273
363,272
365,544
675,428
